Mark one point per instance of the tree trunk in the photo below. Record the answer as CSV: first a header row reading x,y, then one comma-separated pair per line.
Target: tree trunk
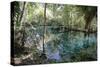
x,y
22,28
21,15
44,26
88,18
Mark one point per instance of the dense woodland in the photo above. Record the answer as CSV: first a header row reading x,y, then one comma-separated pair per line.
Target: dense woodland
x,y
45,33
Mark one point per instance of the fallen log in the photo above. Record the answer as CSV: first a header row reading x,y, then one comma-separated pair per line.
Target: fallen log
x,y
80,30
66,29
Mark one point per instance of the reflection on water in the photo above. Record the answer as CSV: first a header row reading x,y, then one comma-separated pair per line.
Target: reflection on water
x,y
61,46
67,46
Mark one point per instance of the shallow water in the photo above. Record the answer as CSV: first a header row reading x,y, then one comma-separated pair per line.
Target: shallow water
x,y
60,45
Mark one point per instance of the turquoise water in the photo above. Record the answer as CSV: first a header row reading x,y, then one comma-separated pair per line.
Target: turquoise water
x,y
63,46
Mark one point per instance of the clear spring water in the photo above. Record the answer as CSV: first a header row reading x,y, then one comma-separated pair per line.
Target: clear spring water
x,y
60,45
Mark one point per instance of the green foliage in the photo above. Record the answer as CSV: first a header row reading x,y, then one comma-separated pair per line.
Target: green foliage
x,y
71,45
